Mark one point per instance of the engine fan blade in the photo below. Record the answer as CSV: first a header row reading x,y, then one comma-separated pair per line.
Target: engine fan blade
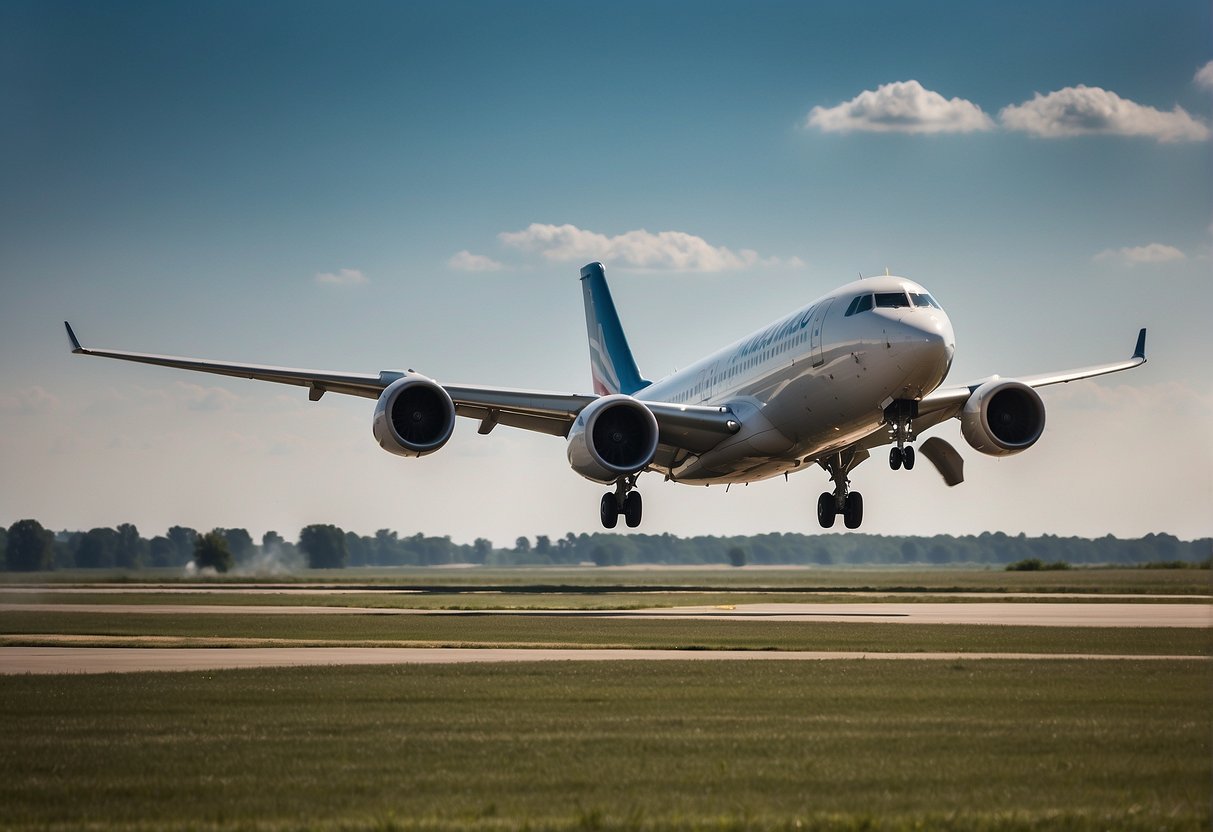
x,y
945,459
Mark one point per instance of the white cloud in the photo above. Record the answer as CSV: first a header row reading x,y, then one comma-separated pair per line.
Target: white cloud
x,y
901,107
1083,110
1134,255
1204,76
30,401
344,277
639,249
465,261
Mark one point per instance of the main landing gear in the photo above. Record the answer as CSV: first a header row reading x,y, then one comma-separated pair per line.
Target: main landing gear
x,y
900,418
843,501
623,500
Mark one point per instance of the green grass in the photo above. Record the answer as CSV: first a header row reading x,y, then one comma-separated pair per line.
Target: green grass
x,y
594,580
635,745
579,631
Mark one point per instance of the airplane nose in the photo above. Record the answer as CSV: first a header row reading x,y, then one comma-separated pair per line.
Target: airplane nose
x,y
926,346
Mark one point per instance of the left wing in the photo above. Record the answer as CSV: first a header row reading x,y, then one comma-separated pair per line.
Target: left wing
x,y
689,427
946,402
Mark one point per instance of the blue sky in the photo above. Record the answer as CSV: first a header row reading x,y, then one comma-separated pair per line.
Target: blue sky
x,y
177,177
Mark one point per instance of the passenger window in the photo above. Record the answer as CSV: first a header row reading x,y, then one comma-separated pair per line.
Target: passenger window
x,y
891,300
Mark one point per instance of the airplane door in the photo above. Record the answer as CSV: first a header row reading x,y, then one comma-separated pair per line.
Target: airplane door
x,y
815,328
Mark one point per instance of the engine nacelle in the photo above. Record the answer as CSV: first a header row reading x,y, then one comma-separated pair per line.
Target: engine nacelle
x,y
413,417
613,437
1003,417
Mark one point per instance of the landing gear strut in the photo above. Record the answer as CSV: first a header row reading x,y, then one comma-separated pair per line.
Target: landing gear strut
x,y
623,500
843,501
900,418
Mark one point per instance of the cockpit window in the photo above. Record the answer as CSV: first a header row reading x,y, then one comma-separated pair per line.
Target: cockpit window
x,y
923,299
891,300
862,303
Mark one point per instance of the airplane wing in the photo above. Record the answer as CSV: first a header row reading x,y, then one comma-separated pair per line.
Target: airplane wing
x,y
689,427
946,402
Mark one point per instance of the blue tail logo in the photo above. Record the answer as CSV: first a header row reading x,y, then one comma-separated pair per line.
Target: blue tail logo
x,y
611,363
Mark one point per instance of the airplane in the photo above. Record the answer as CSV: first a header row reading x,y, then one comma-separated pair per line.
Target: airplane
x,y
857,369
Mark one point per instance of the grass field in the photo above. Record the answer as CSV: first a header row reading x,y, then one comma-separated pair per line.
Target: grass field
x,y
25,628
592,580
639,745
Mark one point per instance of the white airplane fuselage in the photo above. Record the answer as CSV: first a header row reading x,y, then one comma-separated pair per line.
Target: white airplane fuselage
x,y
813,382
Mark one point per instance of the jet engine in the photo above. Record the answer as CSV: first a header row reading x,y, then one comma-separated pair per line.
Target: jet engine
x,y
413,417
614,436
1003,417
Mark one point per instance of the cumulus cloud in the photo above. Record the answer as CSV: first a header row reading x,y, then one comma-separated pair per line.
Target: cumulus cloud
x,y
344,277
29,401
1204,76
639,249
900,107
1135,255
1083,110
465,261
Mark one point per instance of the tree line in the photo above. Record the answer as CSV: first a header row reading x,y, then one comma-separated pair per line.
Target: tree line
x,y
28,546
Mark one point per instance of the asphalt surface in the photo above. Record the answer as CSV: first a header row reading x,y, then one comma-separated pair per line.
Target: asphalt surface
x,y
45,660
1025,613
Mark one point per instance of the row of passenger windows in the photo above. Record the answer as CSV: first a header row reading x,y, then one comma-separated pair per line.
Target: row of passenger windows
x,y
890,300
750,362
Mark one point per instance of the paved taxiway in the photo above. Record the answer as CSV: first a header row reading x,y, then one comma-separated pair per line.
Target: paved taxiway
x,y
961,612
43,660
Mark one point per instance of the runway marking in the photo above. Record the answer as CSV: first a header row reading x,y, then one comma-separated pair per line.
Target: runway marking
x,y
56,660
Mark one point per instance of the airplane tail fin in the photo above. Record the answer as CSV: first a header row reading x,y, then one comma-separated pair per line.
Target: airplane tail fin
x,y
611,361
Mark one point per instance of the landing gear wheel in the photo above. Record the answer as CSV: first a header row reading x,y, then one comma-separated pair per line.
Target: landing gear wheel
x,y
907,455
825,510
896,457
608,510
633,507
852,515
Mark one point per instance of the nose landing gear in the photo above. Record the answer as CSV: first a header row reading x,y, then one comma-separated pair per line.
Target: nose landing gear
x,y
900,418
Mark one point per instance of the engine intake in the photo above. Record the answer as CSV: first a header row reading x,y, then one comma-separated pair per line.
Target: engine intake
x,y
413,417
612,437
1003,417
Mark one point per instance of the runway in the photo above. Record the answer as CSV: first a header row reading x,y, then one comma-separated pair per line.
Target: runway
x,y
1093,614
48,660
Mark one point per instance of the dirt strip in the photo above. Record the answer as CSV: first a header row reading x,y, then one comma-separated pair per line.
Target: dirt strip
x,y
1018,614
44,660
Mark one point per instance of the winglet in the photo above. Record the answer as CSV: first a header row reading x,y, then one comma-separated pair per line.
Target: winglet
x,y
1140,351
75,341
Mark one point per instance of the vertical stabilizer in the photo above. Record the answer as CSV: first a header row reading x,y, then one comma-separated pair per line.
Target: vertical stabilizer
x,y
611,361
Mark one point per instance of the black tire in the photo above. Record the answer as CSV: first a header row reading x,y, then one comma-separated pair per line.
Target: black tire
x,y
895,458
908,457
608,510
825,510
633,508
852,517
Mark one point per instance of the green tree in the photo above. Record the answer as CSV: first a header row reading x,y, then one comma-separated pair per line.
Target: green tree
x,y
3,547
183,539
271,540
736,556
482,549
240,542
211,550
162,552
98,549
29,548
323,545
129,553
522,545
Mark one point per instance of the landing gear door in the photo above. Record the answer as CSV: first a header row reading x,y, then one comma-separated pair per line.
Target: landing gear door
x,y
815,328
